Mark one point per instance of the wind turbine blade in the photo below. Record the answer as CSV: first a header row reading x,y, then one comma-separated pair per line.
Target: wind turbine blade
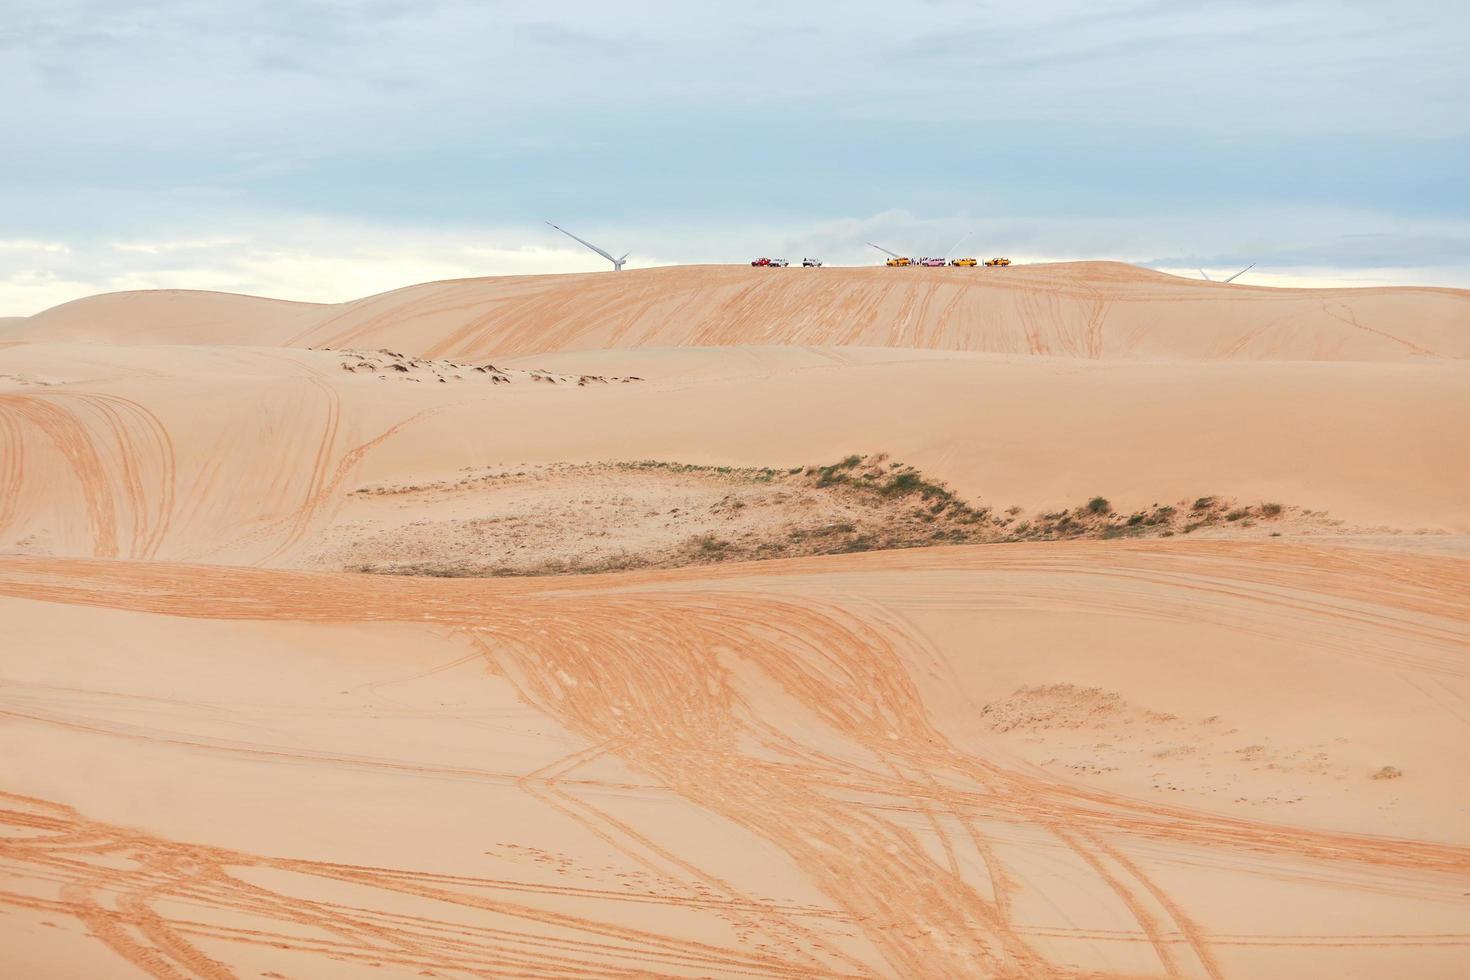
x,y
1241,272
623,259
1206,275
884,250
958,244
584,242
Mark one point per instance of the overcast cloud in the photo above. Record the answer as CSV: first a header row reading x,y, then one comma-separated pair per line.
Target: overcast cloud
x,y
322,150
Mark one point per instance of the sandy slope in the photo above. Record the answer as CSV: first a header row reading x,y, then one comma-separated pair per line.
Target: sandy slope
x,y
1083,310
778,771
110,455
1182,757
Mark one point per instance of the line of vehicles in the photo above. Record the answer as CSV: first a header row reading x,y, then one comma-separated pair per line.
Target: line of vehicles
x,y
894,259
900,261
896,262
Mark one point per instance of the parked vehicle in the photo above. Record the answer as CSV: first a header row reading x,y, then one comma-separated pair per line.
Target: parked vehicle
x,y
998,263
964,263
898,260
931,263
811,263
761,261
782,263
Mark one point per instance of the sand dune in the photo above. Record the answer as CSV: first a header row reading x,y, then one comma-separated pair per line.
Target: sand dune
x,y
110,455
1092,310
1235,751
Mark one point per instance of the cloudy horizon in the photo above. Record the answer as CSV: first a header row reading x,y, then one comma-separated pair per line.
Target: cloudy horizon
x,y
326,150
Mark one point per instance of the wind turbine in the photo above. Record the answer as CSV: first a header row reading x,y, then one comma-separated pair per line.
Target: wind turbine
x,y
617,263
1232,278
957,244
884,250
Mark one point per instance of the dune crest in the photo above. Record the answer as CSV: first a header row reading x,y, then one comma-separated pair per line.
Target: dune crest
x,y
1087,310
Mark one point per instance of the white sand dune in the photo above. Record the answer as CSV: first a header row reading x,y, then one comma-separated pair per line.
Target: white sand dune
x,y
1218,754
1095,310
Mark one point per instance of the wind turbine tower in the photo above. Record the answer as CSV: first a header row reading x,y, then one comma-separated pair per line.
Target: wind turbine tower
x,y
1232,278
617,263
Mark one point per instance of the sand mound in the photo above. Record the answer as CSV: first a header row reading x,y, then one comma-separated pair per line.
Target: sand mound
x,y
1091,310
586,518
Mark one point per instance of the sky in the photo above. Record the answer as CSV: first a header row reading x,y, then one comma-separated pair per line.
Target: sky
x,y
328,149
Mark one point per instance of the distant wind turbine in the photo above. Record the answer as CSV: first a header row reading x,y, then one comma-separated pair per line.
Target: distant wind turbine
x,y
1232,278
617,263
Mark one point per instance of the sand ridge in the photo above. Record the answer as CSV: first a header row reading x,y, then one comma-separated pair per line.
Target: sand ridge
x,y
1087,310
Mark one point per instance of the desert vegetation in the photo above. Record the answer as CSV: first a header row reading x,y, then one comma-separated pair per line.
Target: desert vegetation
x,y
728,514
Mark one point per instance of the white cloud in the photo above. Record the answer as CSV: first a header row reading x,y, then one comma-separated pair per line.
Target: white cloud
x,y
311,260
30,246
165,247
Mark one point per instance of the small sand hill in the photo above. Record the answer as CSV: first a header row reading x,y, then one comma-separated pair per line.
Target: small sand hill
x,y
170,316
1091,310
598,517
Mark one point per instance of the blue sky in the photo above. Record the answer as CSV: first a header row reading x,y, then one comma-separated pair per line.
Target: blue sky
x,y
322,150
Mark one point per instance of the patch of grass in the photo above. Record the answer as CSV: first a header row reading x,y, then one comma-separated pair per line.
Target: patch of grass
x,y
902,483
708,544
871,502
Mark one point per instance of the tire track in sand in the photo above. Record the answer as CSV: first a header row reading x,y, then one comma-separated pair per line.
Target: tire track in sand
x,y
117,451
670,681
